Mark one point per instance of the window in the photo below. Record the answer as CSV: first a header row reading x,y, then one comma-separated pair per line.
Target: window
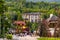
x,y
36,16
32,21
52,25
35,20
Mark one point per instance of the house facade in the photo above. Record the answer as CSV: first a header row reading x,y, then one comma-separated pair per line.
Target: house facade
x,y
32,17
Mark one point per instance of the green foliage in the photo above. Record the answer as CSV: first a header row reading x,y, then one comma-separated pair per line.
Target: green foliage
x,y
1,36
46,38
34,26
2,21
9,36
29,24
22,6
2,6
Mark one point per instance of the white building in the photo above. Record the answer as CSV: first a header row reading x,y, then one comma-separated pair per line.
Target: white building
x,y
32,17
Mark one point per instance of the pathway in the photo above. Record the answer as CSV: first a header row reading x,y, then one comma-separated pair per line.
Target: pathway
x,y
23,38
26,38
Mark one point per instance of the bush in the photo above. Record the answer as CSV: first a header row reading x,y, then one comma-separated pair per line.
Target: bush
x,y
9,36
1,36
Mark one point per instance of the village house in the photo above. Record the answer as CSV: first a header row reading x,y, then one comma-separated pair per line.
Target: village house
x,y
50,27
32,17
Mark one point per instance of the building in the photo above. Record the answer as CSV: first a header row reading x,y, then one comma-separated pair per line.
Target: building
x,y
32,17
52,28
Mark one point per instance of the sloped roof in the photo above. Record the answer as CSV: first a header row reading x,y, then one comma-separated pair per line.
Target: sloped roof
x,y
53,18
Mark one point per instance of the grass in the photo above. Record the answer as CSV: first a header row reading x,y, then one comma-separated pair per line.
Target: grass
x,y
46,38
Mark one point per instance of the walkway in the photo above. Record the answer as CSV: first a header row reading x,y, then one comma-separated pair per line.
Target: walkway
x,y
26,38
23,38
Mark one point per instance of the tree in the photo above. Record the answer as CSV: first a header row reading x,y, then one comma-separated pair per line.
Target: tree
x,y
19,16
43,31
58,11
2,18
34,27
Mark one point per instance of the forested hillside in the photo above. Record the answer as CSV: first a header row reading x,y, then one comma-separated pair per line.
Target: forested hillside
x,y
16,6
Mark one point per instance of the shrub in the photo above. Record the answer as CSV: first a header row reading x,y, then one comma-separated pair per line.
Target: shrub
x,y
9,36
1,36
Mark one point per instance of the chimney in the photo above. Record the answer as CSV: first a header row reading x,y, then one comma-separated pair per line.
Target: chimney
x,y
51,15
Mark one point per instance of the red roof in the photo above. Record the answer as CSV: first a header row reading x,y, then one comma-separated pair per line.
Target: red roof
x,y
19,22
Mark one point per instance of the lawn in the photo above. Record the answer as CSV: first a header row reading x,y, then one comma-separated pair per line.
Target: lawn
x,y
46,38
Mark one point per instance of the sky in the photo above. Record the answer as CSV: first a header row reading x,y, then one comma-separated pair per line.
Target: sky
x,y
45,0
